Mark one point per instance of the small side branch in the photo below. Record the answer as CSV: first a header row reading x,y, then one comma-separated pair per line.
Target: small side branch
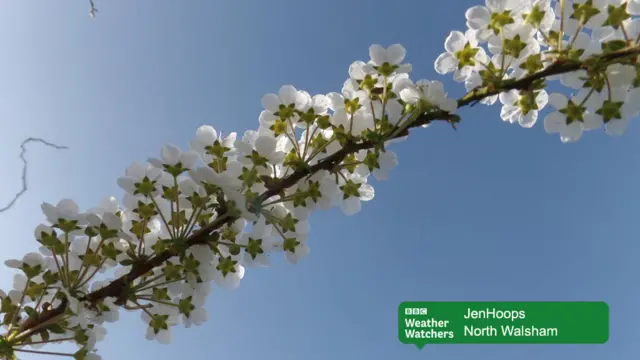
x,y
92,10
24,188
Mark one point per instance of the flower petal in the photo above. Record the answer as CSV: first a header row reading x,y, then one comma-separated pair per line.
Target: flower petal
x,y
554,123
477,17
395,54
616,127
265,145
351,206
206,134
378,54
288,94
445,63
170,154
271,102
455,41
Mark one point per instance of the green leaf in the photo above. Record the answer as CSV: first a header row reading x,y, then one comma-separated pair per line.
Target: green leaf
x,y
610,110
80,337
126,262
249,177
613,46
535,17
185,306
290,244
254,247
584,12
226,265
288,223
81,354
499,20
56,329
466,56
350,189
6,349
617,15
145,187
217,149
161,294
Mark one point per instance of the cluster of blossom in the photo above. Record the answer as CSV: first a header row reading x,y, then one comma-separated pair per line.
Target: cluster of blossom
x,y
507,40
242,185
198,217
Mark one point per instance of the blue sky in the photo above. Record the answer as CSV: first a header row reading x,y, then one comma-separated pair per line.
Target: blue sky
x,y
492,212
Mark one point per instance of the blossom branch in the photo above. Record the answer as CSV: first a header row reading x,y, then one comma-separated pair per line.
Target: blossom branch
x,y
271,180
118,287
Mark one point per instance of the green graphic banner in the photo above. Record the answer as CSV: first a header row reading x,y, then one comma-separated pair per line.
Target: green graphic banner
x,y
422,323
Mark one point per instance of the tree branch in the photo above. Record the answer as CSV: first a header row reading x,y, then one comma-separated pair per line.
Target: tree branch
x,y
557,68
24,188
116,288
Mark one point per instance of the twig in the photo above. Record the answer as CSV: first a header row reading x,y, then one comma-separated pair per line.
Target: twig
x,y
93,10
24,168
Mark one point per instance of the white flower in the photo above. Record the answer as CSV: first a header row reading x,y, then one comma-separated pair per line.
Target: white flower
x,y
515,105
135,175
569,24
266,146
351,204
228,271
171,155
113,313
282,106
196,317
110,220
66,209
598,19
40,229
246,144
318,105
426,94
295,247
161,335
19,282
80,312
633,7
330,193
207,136
540,6
387,161
352,121
95,335
473,82
92,356
570,118
479,18
462,57
108,205
520,34
260,238
617,111
31,259
620,76
359,70
239,200
393,55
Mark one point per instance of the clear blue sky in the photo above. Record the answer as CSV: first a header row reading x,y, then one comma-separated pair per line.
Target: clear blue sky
x,y
491,212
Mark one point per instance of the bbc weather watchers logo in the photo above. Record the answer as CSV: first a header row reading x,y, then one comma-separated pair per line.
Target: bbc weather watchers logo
x,y
415,311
